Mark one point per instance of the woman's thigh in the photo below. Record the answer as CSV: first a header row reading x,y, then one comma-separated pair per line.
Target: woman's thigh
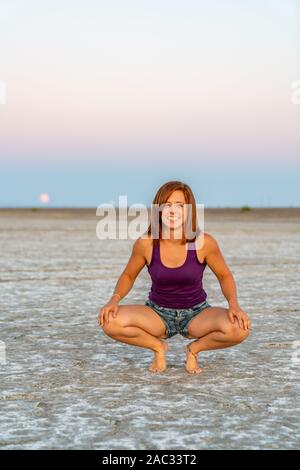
x,y
137,315
210,319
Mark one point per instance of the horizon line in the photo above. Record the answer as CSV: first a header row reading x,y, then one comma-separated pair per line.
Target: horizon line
x,y
117,207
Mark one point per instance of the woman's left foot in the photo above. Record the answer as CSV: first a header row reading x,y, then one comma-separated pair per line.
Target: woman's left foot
x,y
192,361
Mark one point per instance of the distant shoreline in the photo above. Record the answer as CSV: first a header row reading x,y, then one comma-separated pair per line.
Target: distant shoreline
x,y
75,208
236,213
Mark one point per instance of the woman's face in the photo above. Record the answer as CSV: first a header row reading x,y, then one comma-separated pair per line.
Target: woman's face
x,y
172,211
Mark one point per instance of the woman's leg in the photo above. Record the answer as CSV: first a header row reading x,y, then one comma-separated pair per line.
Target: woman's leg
x,y
213,330
140,326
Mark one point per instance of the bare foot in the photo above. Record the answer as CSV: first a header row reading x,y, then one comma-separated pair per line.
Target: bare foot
x,y
159,363
192,361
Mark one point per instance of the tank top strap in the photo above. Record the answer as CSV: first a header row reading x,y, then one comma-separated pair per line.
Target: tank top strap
x,y
192,254
154,256
190,246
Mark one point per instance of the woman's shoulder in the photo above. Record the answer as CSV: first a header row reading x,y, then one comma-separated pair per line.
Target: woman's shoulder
x,y
143,246
205,241
143,243
144,239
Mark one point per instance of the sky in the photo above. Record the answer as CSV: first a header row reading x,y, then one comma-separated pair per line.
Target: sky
x,y
100,99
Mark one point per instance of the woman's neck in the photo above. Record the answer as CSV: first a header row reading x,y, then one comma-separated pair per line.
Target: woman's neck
x,y
172,237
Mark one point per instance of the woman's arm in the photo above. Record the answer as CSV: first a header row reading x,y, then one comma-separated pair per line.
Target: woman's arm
x,y
217,264
125,282
135,264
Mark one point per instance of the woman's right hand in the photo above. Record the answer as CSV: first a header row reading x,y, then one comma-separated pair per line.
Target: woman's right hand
x,y
109,310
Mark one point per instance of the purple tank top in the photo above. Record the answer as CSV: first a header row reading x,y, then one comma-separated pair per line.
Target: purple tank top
x,y
179,287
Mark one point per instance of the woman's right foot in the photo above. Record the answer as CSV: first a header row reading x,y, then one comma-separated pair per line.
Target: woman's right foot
x,y
192,361
159,363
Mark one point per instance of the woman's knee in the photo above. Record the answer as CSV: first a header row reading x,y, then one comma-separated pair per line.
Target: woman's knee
x,y
113,326
235,333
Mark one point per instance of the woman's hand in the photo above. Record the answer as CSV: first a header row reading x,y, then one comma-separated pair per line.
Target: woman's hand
x,y
235,312
110,309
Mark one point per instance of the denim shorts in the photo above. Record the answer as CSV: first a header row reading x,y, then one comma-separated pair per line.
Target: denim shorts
x,y
177,320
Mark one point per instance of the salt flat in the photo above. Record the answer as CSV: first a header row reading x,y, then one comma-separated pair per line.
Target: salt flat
x,y
65,384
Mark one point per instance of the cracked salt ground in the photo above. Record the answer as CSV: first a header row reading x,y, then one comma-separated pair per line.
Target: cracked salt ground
x,y
67,385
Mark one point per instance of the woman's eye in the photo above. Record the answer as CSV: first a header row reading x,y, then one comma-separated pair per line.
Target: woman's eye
x,y
176,206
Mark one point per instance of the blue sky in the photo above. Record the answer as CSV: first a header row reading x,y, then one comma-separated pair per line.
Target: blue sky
x,y
86,187
110,98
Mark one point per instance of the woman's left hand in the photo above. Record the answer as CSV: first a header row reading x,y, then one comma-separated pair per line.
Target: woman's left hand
x,y
242,318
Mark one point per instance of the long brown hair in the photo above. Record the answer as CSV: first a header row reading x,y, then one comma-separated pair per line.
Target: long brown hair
x,y
161,197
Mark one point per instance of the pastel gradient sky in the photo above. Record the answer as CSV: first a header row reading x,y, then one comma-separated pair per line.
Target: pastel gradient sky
x,y
115,97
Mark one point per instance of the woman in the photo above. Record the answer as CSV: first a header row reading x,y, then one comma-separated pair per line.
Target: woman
x,y
177,301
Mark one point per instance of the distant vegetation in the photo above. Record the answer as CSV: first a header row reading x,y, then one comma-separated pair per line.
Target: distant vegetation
x,y
34,209
245,208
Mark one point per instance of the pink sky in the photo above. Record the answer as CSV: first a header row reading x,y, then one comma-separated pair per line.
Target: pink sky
x,y
195,81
